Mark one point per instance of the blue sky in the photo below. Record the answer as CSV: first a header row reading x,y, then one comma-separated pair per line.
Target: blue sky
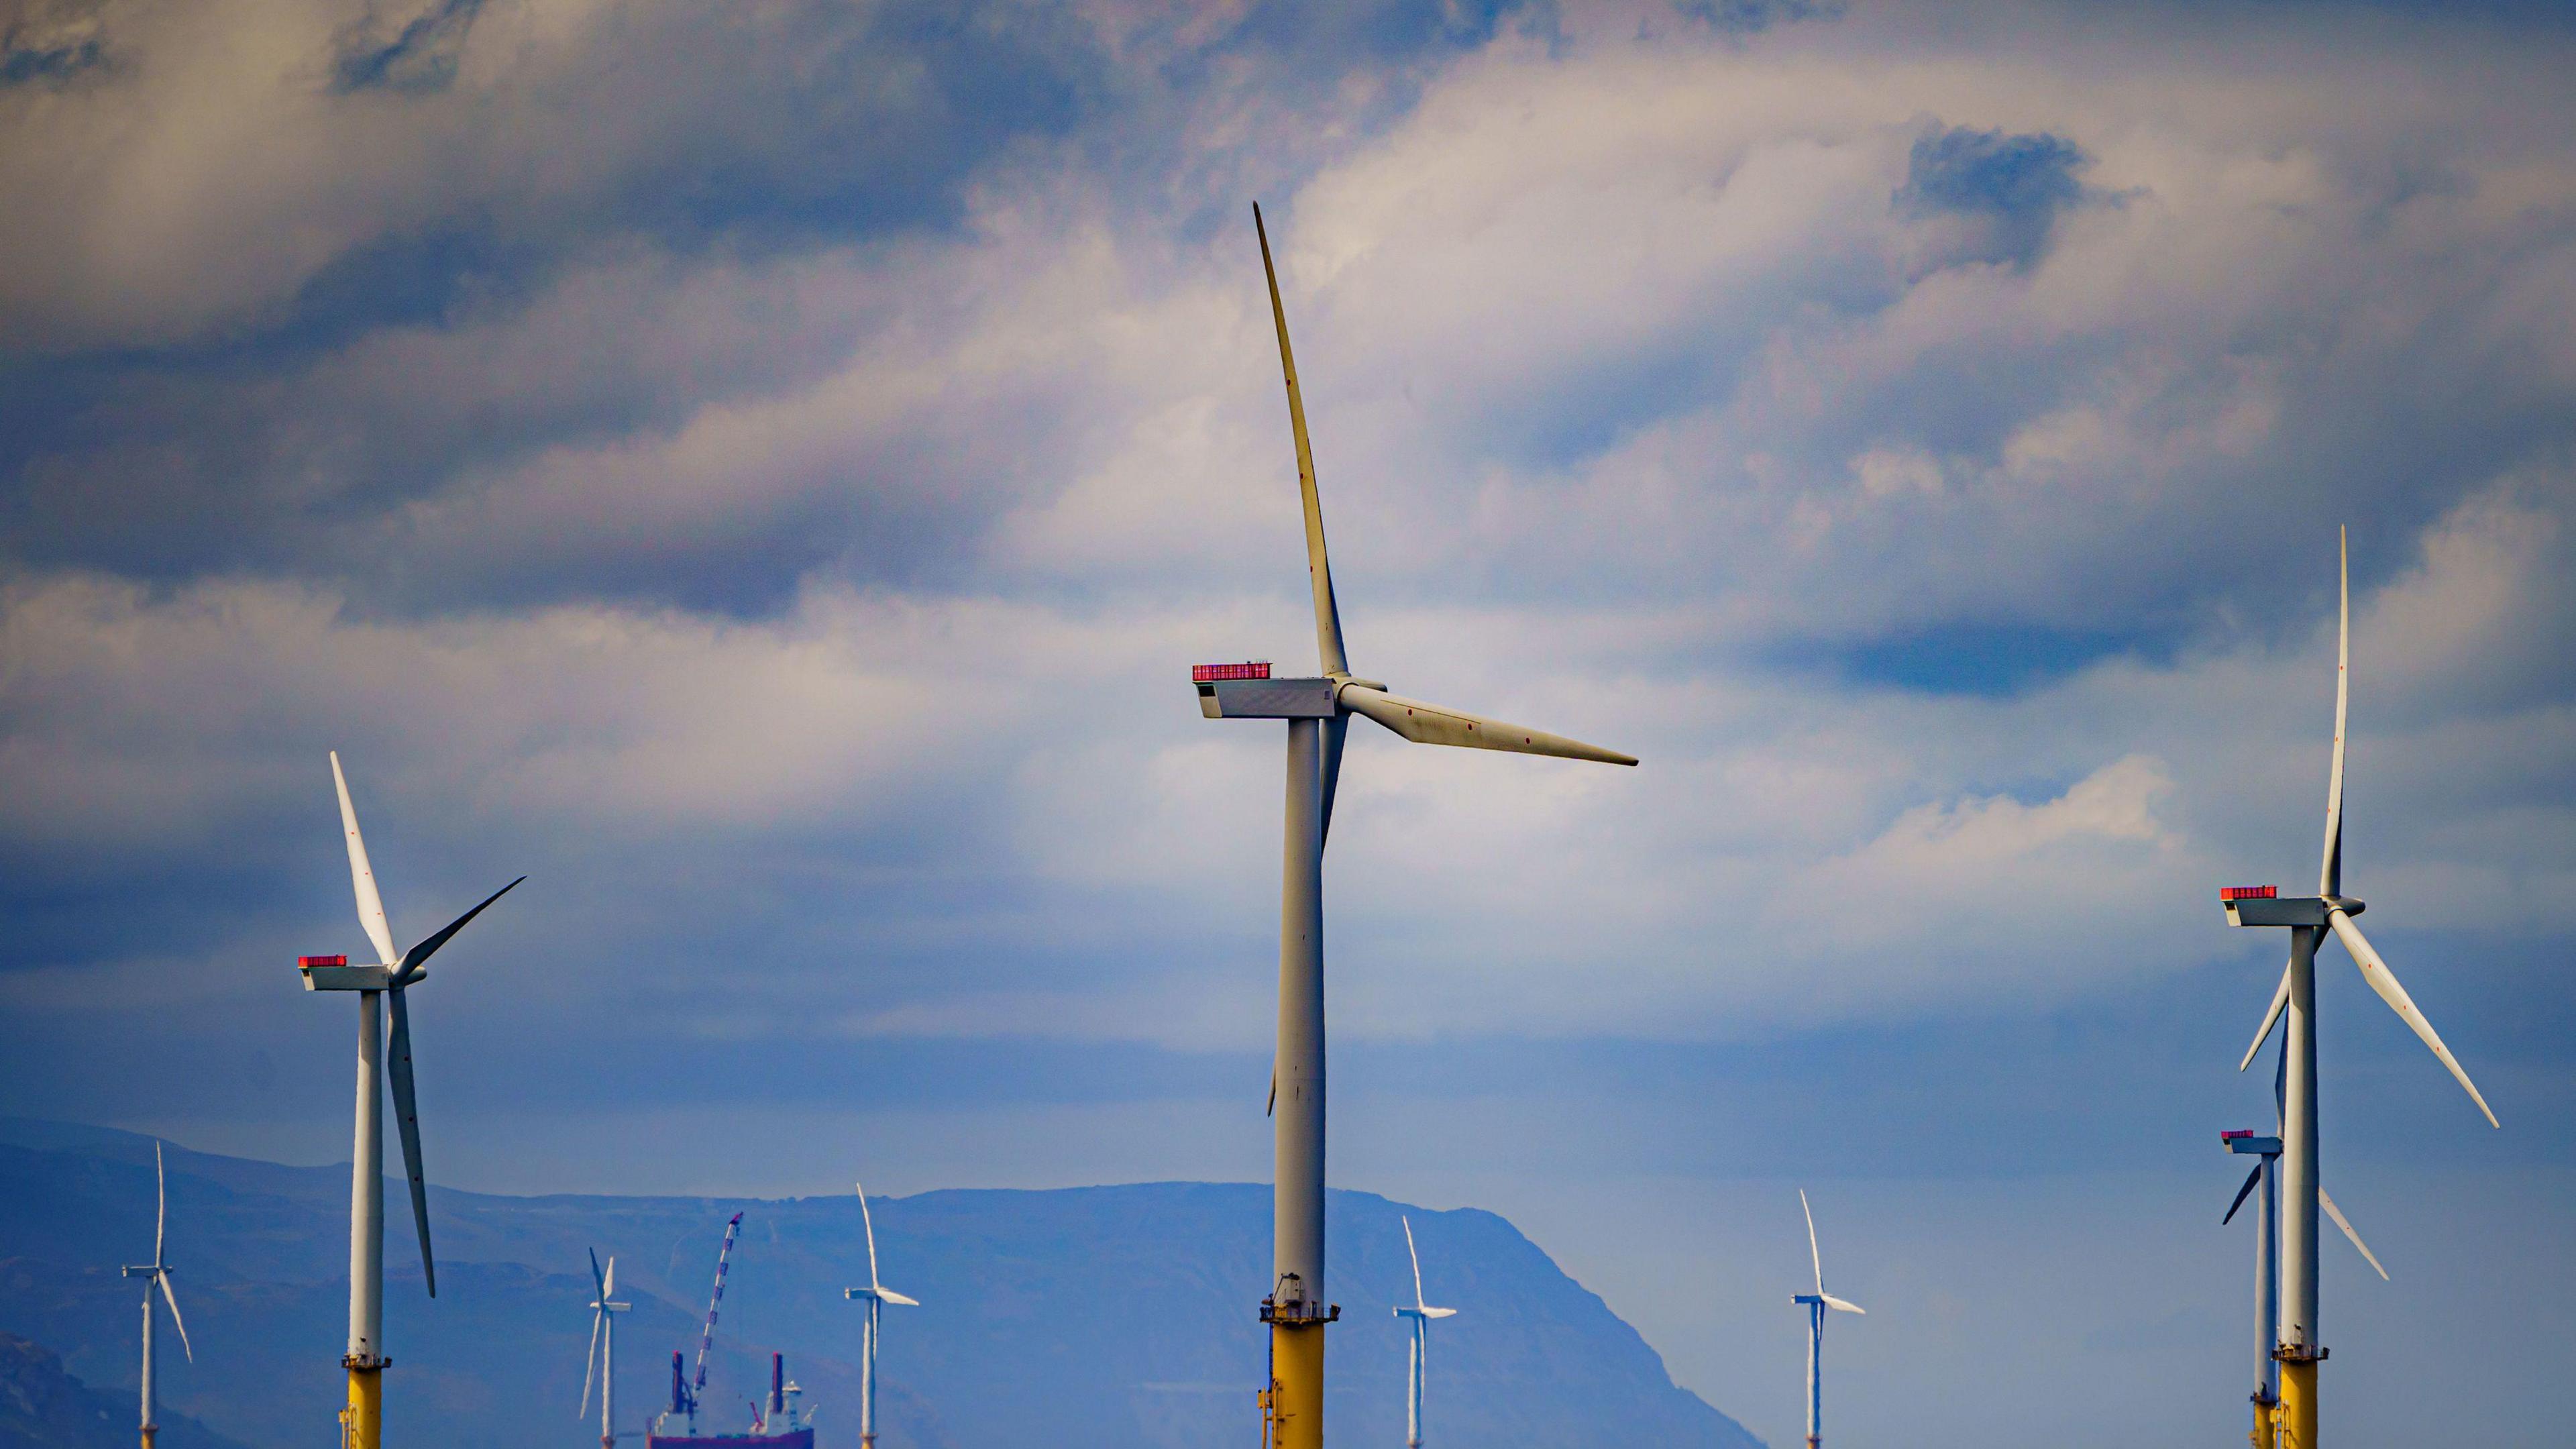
x,y
761,470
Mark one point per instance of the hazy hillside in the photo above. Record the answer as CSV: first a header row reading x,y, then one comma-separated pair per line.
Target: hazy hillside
x,y
1111,1316
43,1407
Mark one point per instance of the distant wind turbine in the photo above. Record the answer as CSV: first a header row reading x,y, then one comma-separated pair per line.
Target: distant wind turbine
x,y
602,1368
1816,1304
362,1421
2309,919
1318,713
877,1296
156,1275
1421,1314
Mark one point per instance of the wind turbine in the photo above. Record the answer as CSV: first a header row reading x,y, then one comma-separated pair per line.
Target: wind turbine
x,y
1817,1302
878,1296
1318,713
156,1274
602,1368
2267,1273
362,1421
1421,1314
2309,919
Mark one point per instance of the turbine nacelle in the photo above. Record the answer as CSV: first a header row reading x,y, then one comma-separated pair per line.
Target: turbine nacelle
x,y
1839,1305
334,973
2262,906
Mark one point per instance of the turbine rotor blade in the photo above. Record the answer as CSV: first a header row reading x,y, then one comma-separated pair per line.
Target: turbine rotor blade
x,y
596,1281
888,1295
2344,1223
371,906
2384,981
590,1369
1319,567
407,1121
1844,1305
609,1286
870,1223
2242,1193
1438,1312
161,1194
2280,1000
2330,874
163,1278
1431,724
418,956
1336,731
1416,1256
2281,1089
1813,1252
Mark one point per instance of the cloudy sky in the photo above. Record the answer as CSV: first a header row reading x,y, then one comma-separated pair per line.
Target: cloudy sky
x,y
761,471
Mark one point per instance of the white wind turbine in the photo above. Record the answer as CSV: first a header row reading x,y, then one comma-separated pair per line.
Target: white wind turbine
x,y
602,1368
156,1274
2309,920
2267,1240
365,1359
877,1296
1817,1303
1421,1313
1318,713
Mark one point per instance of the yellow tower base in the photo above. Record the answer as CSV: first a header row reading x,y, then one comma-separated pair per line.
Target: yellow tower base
x,y
2266,1424
1297,1385
148,1431
2296,1419
362,1423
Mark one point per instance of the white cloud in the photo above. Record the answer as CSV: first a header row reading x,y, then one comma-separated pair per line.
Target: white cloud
x,y
1628,384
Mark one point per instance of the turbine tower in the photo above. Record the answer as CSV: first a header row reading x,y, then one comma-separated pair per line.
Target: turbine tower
x,y
602,1368
156,1274
877,1296
1421,1314
1816,1304
361,1422
2309,919
1318,713
2267,1274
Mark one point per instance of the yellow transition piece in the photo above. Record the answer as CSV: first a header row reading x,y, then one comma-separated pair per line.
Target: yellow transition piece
x,y
362,1423
1297,1403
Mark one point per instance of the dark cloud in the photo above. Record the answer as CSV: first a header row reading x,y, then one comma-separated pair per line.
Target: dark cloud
x,y
403,52
22,65
49,42
2016,184
1752,17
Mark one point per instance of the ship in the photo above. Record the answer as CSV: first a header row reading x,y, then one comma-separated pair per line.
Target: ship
x,y
781,1423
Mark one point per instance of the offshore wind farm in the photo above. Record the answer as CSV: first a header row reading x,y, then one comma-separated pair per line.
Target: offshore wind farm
x,y
754,476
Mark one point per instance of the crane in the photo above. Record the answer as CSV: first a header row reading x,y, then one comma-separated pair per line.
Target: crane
x,y
684,1398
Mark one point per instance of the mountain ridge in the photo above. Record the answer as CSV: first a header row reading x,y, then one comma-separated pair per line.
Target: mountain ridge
x,y
1114,1314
